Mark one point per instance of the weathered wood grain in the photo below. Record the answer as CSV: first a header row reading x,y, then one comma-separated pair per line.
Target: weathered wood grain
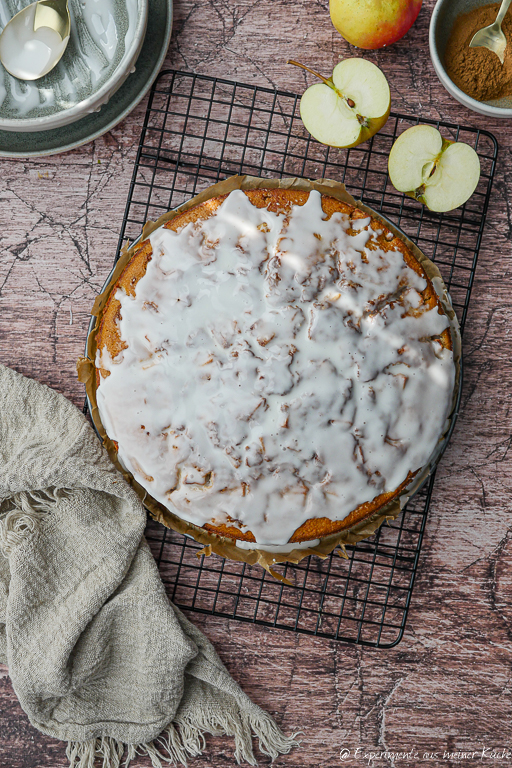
x,y
447,685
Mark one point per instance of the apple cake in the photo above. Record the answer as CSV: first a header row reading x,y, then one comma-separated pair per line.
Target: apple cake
x,y
274,366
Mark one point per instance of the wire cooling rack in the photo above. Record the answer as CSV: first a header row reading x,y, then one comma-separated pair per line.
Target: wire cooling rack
x,y
197,131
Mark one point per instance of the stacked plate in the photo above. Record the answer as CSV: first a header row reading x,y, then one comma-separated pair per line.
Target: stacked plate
x,y
115,51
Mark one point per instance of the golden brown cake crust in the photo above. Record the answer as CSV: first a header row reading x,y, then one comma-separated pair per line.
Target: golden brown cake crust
x,y
277,201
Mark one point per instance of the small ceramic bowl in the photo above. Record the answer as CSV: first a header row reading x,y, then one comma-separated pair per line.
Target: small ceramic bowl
x,y
441,23
106,39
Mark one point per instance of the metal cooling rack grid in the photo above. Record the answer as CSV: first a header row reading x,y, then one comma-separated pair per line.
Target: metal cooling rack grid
x,y
197,131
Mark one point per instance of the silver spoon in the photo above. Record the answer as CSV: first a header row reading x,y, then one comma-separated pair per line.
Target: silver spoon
x,y
34,40
492,37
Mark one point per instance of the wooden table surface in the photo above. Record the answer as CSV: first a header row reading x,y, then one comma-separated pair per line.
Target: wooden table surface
x,y
446,688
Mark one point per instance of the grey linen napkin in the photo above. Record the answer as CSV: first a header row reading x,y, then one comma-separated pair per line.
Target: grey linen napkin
x,y
97,654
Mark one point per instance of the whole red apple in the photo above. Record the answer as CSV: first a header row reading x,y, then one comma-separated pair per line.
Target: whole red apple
x,y
373,23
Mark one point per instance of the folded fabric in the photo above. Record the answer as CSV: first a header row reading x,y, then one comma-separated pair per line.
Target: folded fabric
x,y
97,654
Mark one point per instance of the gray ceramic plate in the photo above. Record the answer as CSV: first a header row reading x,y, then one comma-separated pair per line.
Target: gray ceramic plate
x,y
154,49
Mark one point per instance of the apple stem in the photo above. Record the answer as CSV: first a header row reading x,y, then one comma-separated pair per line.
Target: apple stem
x,y
312,71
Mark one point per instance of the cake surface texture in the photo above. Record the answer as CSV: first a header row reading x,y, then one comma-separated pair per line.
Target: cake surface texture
x,y
274,366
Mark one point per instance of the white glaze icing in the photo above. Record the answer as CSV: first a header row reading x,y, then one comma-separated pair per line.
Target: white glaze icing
x,y
278,369
282,549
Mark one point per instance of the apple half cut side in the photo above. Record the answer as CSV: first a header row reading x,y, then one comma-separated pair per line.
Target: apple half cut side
x,y
441,174
349,107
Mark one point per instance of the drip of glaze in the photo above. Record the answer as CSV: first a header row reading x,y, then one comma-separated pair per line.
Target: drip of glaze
x,y
282,550
278,369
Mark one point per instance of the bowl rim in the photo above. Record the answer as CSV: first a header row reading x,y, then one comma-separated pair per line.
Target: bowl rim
x,y
481,107
96,100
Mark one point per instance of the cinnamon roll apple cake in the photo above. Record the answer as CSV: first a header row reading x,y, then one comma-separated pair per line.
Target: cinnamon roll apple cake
x,y
274,366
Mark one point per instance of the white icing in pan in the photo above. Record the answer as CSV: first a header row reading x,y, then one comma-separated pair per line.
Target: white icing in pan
x,y
278,369
100,33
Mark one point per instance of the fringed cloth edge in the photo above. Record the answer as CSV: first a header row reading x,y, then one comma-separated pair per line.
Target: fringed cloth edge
x,y
183,739
26,510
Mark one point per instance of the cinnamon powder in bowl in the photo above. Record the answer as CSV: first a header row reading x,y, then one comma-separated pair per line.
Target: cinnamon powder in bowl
x,y
477,71
473,76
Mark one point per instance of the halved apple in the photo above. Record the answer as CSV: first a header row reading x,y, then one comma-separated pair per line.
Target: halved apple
x,y
349,107
441,174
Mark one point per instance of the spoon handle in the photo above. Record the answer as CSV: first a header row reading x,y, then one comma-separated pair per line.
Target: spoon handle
x,y
503,9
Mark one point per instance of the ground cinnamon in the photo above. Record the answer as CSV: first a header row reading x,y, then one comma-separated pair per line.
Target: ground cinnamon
x,y
478,71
